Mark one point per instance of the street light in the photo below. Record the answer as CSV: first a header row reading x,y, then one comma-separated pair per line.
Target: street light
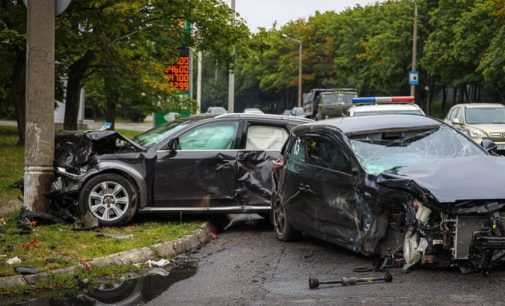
x,y
300,66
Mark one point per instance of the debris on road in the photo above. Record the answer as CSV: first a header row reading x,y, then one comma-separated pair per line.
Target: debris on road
x,y
13,261
314,283
158,264
26,270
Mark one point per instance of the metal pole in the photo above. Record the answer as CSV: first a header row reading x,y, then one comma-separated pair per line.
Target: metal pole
x,y
300,75
231,76
414,49
199,83
39,147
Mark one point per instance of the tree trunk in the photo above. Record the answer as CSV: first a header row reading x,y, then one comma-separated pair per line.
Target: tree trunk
x,y
444,99
111,96
17,93
76,73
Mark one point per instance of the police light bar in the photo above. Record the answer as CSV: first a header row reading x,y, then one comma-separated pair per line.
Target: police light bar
x,y
384,100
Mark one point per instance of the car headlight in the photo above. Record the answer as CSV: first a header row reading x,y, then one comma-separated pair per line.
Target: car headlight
x,y
475,133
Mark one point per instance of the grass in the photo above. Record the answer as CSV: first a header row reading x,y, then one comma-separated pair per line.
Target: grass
x,y
51,247
11,163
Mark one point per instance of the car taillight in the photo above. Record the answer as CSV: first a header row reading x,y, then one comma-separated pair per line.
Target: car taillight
x,y
278,164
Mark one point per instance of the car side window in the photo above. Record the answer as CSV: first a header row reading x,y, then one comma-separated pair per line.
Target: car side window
x,y
211,136
455,113
266,137
297,152
325,153
461,114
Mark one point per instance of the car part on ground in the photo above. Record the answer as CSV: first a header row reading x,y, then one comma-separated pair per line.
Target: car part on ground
x,y
314,283
396,186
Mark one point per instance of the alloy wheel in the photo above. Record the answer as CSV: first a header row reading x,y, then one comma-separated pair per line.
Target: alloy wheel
x,y
108,201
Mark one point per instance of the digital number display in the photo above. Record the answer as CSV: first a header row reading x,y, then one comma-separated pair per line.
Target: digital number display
x,y
178,74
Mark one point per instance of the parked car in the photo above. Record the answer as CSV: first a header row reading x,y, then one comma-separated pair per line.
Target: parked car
x,y
297,112
480,121
256,111
219,164
216,110
396,186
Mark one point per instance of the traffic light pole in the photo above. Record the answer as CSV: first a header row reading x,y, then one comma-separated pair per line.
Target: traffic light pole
x,y
414,50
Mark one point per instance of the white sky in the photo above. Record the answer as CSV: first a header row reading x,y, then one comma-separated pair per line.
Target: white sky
x,y
263,13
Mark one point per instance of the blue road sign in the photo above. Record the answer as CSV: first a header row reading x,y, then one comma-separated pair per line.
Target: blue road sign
x,y
414,78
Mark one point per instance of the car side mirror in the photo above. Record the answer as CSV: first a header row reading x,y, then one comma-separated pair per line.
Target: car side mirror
x,y
173,146
456,121
489,146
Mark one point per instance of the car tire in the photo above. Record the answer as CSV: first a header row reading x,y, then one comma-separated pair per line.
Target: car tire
x,y
283,230
110,198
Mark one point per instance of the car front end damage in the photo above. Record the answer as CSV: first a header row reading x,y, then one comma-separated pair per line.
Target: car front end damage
x,y
469,235
78,156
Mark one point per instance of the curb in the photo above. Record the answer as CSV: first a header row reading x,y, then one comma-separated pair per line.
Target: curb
x,y
169,249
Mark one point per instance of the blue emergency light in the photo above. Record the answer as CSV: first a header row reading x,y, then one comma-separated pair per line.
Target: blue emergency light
x,y
383,100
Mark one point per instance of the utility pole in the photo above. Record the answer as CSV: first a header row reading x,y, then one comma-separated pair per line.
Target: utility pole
x,y
414,50
300,67
39,148
199,83
300,74
231,76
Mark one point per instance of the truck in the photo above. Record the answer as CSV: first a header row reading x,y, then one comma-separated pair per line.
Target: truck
x,y
322,103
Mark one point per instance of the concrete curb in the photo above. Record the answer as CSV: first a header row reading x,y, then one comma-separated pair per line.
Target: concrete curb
x,y
167,249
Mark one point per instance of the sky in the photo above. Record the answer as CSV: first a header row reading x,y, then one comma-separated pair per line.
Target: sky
x,y
263,13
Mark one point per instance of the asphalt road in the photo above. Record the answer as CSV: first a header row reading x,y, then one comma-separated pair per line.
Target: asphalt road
x,y
246,265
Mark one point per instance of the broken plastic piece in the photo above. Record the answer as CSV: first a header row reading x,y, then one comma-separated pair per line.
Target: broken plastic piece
x,y
13,261
159,263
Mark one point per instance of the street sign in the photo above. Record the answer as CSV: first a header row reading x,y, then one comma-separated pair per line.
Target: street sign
x,y
61,5
414,78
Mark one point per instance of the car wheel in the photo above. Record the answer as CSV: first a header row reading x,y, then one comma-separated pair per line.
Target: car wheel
x,y
110,198
283,230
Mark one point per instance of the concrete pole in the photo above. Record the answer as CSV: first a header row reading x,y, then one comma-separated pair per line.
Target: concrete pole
x,y
300,75
231,76
414,49
39,144
199,83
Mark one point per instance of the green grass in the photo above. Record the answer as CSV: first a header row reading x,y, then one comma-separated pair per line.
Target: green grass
x,y
51,247
11,163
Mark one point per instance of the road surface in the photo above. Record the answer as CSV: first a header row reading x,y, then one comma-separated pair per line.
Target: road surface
x,y
248,266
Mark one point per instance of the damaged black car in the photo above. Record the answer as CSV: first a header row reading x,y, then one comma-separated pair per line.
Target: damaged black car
x,y
410,190
215,164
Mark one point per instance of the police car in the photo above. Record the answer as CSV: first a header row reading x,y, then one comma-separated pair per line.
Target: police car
x,y
372,106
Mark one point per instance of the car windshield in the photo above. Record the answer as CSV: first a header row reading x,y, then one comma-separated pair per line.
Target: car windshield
x,y
381,151
488,115
388,112
154,136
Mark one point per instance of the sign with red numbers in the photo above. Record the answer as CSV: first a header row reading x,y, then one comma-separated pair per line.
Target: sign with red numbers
x,y
178,73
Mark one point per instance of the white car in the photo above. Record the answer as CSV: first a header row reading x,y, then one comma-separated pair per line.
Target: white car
x,y
385,109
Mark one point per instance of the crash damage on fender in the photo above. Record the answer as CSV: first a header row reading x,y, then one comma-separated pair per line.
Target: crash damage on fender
x,y
408,189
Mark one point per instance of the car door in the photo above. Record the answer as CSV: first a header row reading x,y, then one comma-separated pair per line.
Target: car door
x,y
298,197
335,190
201,173
261,145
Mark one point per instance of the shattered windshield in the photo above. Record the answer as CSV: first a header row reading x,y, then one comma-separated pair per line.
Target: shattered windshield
x,y
485,115
380,151
154,136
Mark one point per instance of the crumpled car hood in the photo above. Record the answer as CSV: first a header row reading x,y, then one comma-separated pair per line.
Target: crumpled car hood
x,y
458,179
74,149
